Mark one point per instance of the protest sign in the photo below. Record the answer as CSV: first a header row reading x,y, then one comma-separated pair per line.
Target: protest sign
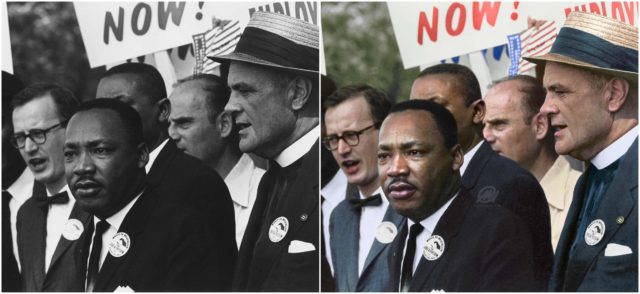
x,y
429,32
7,59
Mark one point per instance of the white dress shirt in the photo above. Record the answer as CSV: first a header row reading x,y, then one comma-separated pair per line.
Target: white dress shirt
x,y
429,225
114,225
56,218
333,192
468,156
154,154
20,191
615,150
243,181
299,148
370,218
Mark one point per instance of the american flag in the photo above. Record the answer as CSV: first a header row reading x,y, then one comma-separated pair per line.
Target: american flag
x,y
536,42
219,40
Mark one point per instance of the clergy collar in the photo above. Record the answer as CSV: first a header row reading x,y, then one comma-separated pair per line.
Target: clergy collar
x,y
615,150
299,148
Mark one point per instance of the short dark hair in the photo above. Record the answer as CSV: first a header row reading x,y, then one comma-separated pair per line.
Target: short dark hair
x,y
377,100
152,81
445,121
63,98
217,93
129,116
534,94
468,83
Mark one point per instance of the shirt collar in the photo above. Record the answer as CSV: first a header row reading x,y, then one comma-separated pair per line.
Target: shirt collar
x,y
116,219
615,150
299,148
468,156
429,223
22,188
237,180
154,154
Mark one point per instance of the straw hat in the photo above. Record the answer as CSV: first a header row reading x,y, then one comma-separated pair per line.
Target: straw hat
x,y
595,43
279,41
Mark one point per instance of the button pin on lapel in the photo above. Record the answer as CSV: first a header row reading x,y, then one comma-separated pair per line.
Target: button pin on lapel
x,y
434,248
304,217
120,244
73,228
279,228
386,232
594,233
620,220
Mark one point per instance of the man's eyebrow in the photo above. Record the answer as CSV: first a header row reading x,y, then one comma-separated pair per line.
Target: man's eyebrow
x,y
181,119
496,120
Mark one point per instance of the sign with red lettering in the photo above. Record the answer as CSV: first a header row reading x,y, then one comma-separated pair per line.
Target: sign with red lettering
x,y
428,32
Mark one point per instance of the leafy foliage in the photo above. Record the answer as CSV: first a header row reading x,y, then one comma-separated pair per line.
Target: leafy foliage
x,y
360,47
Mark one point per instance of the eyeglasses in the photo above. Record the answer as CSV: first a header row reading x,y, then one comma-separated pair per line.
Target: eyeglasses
x,y
38,136
352,138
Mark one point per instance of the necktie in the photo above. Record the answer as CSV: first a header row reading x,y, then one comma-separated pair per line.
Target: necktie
x,y
60,198
599,181
374,200
407,261
94,259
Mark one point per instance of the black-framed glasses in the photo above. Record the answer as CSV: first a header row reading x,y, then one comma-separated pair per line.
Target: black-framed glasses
x,y
38,136
352,138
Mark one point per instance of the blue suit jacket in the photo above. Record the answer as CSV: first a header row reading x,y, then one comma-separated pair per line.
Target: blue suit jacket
x,y
590,270
344,226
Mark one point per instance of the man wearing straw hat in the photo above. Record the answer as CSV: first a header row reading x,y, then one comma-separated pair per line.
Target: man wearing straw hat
x,y
273,76
591,76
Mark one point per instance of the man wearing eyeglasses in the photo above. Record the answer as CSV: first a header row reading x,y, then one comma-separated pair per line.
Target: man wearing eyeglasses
x,y
49,224
361,226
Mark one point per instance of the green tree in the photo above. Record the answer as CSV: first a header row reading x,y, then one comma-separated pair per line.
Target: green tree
x,y
360,47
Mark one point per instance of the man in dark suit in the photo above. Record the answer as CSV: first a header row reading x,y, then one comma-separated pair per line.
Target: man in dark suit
x,y
453,243
136,240
591,77
362,226
48,224
171,173
490,178
273,76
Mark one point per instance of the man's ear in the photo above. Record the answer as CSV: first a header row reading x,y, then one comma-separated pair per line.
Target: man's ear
x,y
164,105
143,154
616,92
478,111
540,125
300,91
225,124
458,157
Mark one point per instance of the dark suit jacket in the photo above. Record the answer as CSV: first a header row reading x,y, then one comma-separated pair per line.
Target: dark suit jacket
x,y
178,176
267,266
345,235
590,270
487,248
171,250
63,274
492,178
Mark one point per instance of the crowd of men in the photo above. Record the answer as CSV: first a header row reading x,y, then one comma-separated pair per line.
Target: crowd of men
x,y
137,190
452,191
215,186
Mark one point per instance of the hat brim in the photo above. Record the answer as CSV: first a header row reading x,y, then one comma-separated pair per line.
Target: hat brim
x,y
553,57
235,56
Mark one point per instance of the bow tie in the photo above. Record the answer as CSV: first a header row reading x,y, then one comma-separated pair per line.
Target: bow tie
x,y
374,200
60,198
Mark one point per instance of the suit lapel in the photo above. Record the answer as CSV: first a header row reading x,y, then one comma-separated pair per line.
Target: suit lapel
x,y
448,227
476,166
617,201
347,234
160,165
35,240
292,206
377,247
63,243
133,225
394,260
